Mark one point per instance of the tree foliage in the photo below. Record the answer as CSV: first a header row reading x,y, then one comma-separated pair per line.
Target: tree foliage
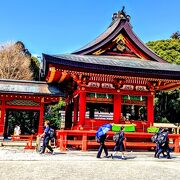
x,y
35,65
167,104
53,115
168,49
176,35
17,63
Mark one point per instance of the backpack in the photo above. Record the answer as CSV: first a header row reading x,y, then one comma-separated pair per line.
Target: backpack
x,y
51,133
161,139
116,137
154,138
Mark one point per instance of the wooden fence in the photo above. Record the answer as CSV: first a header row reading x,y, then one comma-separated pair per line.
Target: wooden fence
x,y
86,140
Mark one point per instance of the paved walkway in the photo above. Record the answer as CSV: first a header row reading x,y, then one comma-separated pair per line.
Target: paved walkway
x,y
16,163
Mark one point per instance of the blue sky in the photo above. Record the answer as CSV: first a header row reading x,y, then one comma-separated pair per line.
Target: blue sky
x,y
62,26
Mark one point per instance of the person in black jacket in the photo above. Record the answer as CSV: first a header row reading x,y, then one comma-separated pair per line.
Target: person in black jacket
x,y
119,146
161,130
164,147
102,146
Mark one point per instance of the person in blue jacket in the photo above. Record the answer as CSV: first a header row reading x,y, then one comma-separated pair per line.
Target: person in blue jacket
x,y
46,138
102,146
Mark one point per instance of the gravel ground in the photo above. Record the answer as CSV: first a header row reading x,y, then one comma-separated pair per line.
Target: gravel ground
x,y
20,164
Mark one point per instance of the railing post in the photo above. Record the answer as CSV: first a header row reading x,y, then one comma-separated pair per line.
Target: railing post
x,y
176,144
38,141
65,142
84,142
61,142
31,140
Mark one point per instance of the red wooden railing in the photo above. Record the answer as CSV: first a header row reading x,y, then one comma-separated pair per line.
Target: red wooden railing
x,y
86,139
28,138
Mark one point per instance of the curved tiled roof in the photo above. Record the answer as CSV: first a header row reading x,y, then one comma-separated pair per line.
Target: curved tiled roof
x,y
101,37
120,25
29,87
115,65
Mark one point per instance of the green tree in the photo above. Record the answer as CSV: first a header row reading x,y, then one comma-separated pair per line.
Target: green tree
x,y
53,115
168,49
35,65
167,104
175,35
34,62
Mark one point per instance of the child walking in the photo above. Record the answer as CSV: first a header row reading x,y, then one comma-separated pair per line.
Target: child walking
x,y
119,146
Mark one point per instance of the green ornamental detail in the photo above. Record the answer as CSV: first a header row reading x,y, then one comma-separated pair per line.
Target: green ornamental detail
x,y
96,95
135,98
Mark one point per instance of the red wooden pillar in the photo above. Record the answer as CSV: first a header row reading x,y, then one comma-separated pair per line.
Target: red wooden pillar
x,y
75,110
82,107
150,110
117,108
41,117
2,117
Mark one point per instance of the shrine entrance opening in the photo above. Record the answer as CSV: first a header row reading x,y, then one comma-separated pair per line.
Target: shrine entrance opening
x,y
99,111
28,120
134,108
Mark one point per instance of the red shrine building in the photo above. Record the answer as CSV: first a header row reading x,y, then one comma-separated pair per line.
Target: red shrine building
x,y
32,96
113,79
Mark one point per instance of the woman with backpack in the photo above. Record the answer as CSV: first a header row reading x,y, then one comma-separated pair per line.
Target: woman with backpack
x,y
119,146
47,138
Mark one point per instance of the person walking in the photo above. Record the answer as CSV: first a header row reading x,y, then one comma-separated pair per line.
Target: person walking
x,y
164,146
102,146
160,131
119,146
47,138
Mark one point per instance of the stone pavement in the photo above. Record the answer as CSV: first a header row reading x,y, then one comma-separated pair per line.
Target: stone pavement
x,y
17,163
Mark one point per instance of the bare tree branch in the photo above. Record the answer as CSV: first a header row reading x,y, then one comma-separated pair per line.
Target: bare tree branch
x,y
14,63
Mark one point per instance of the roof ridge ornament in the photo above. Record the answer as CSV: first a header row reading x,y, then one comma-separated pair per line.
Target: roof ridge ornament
x,y
121,14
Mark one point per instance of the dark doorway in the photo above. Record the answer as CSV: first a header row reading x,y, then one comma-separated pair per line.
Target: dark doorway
x,y
28,121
